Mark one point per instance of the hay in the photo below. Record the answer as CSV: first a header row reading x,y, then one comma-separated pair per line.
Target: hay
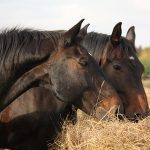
x,y
88,134
113,134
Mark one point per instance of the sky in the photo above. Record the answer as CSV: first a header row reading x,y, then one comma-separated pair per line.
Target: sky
x,y
102,15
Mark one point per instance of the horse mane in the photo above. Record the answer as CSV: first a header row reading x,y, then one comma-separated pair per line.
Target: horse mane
x,y
17,38
19,45
94,43
100,47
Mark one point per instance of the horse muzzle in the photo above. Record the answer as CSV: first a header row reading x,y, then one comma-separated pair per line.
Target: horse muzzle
x,y
108,108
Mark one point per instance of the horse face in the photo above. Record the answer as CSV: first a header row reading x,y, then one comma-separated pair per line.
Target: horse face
x,y
124,70
75,77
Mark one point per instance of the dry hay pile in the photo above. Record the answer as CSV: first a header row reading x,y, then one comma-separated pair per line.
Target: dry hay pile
x,y
89,134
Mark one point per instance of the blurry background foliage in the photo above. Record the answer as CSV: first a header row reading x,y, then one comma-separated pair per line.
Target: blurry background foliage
x,y
144,56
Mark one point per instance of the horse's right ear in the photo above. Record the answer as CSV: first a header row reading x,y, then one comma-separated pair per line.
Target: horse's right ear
x,y
116,34
131,34
71,34
83,32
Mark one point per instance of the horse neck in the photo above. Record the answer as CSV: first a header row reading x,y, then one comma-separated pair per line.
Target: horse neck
x,y
96,43
31,50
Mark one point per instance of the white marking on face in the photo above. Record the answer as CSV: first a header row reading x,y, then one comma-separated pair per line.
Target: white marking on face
x,y
131,58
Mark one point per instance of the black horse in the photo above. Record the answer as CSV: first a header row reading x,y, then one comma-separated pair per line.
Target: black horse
x,y
68,71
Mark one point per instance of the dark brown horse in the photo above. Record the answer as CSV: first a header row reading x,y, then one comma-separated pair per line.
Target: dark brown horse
x,y
41,108
69,72
33,130
116,55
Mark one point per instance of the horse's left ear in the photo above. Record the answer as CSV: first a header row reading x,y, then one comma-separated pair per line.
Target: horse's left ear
x,y
72,33
83,32
131,34
116,34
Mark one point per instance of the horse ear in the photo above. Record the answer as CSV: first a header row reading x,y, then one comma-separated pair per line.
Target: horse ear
x,y
116,34
83,32
72,33
131,34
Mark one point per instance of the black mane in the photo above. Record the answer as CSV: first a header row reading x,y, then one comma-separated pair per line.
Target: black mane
x,y
19,45
21,50
95,43
100,47
16,38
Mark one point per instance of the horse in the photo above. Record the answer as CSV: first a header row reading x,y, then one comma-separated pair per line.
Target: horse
x,y
47,115
81,82
33,130
117,57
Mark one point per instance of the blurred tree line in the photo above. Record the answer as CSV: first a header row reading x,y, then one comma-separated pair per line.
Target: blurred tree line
x,y
144,56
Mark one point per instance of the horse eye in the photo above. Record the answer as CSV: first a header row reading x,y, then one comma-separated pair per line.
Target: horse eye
x,y
117,67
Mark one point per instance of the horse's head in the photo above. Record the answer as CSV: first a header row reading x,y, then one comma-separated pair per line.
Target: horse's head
x,y
123,69
75,76
72,74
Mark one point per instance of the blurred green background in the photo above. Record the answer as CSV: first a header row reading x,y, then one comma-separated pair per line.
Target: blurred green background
x,y
144,56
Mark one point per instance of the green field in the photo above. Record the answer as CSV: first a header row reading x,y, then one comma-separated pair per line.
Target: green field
x,y
147,69
144,56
